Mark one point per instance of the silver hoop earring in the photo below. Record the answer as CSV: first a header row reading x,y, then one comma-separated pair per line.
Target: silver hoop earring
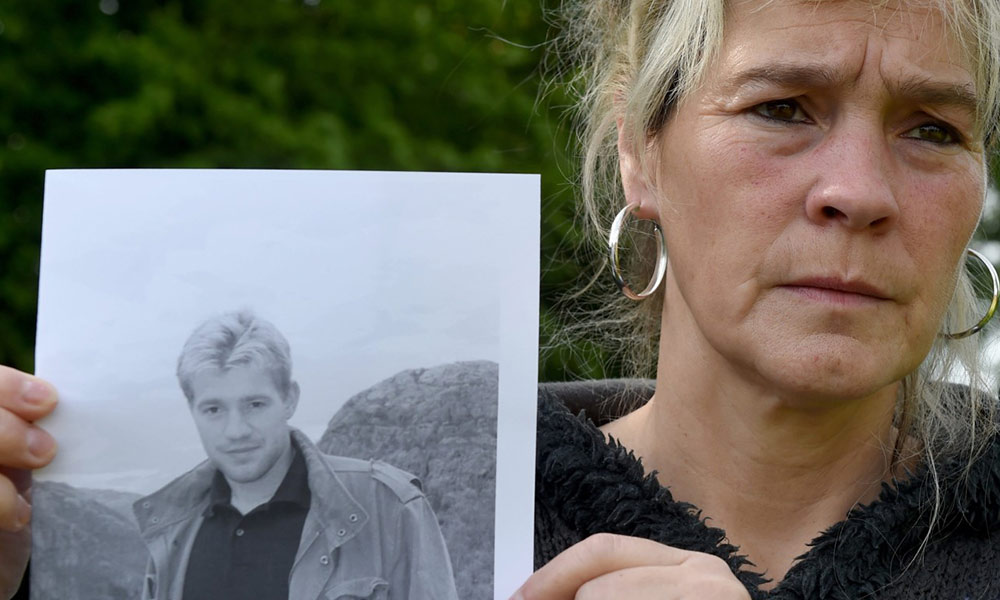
x,y
661,261
993,305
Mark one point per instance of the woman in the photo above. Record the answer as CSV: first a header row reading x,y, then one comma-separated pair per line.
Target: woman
x,y
818,169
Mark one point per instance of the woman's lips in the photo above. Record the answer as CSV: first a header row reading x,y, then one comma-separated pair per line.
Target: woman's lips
x,y
837,291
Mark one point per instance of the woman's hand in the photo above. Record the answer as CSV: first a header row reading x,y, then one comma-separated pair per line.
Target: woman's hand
x,y
23,446
616,566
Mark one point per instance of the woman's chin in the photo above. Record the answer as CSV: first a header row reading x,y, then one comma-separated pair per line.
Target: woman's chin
x,y
833,373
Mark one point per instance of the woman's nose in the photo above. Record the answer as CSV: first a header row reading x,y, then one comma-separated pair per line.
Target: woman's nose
x,y
855,187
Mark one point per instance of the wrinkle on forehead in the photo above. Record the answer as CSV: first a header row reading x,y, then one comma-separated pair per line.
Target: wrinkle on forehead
x,y
884,15
927,57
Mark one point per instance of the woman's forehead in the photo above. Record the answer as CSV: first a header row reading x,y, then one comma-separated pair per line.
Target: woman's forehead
x,y
835,40
921,20
891,5
910,18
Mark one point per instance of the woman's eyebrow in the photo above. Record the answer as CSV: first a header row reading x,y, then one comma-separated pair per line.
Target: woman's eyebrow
x,y
792,75
924,91
916,90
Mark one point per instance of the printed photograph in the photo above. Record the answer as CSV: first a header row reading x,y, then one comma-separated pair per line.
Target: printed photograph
x,y
286,385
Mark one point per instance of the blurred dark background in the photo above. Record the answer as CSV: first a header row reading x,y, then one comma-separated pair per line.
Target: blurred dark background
x,y
440,85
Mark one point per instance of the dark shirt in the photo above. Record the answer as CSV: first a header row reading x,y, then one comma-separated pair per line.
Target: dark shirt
x,y
249,557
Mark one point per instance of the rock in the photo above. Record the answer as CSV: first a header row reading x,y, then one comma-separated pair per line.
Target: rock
x,y
439,424
86,544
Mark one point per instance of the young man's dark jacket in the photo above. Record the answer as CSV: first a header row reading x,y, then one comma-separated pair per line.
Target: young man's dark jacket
x,y
369,533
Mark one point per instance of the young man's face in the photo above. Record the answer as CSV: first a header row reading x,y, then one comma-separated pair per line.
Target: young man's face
x,y
242,419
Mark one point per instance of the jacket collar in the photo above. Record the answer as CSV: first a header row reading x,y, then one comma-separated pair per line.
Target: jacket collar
x,y
185,498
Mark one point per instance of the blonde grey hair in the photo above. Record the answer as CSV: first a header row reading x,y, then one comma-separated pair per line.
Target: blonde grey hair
x,y
634,60
236,339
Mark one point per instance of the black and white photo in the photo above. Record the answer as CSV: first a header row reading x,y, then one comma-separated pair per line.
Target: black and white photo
x,y
283,384
263,515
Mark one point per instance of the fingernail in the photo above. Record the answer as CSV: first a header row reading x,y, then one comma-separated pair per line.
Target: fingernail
x,y
40,444
35,391
23,513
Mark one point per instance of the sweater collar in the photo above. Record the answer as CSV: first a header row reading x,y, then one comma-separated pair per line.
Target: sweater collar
x,y
856,557
876,542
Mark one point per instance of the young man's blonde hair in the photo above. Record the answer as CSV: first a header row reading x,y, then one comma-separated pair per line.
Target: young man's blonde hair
x,y
236,339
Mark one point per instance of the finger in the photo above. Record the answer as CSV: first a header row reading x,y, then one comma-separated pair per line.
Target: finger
x,y
21,478
638,583
14,550
15,512
26,396
596,556
15,535
23,445
687,581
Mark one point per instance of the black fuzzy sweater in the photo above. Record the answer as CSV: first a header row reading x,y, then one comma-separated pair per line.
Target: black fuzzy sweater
x,y
585,485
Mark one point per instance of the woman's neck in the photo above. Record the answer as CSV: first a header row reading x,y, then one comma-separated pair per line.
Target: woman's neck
x,y
770,470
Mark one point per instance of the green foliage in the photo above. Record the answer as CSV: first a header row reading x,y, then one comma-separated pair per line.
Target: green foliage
x,y
441,85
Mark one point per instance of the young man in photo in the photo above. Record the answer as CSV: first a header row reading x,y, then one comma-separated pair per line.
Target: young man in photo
x,y
268,516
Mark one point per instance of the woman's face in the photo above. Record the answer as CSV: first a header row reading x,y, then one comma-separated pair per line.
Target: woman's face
x,y
817,193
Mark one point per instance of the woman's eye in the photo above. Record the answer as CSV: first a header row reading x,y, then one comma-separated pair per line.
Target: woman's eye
x,y
788,111
935,133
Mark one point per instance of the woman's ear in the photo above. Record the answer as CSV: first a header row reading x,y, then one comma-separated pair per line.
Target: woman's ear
x,y
634,183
